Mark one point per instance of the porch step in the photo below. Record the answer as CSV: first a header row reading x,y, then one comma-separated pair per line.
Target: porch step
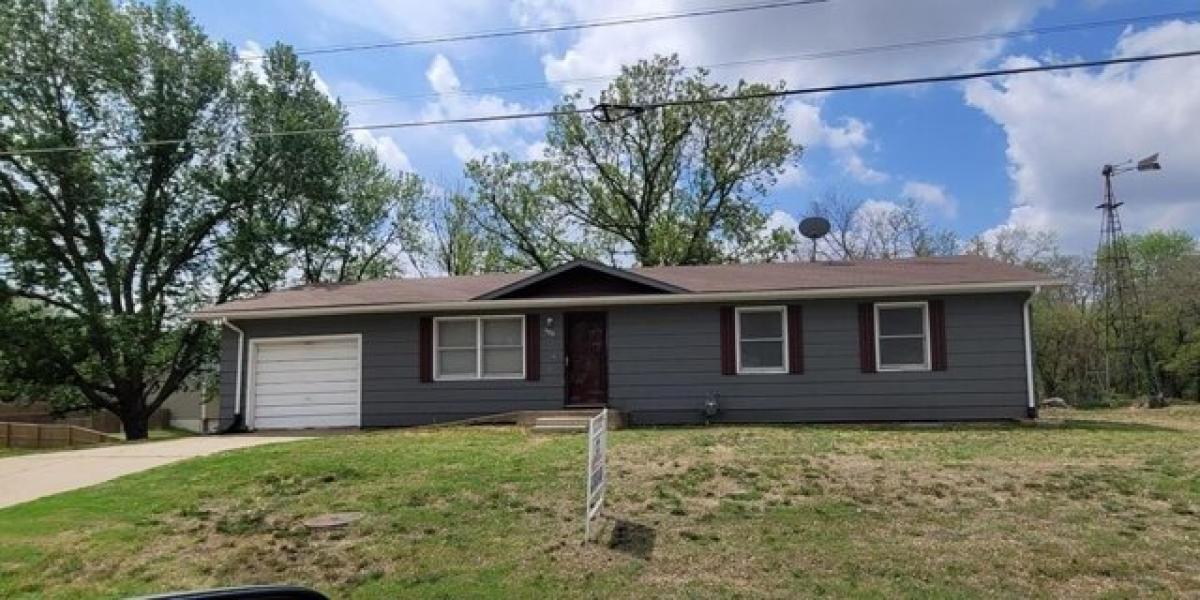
x,y
571,424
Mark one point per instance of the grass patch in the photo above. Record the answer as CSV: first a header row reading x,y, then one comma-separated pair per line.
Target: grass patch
x,y
1106,505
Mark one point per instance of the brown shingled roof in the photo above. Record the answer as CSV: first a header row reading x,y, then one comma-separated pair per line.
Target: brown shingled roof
x,y
824,275
376,291
692,279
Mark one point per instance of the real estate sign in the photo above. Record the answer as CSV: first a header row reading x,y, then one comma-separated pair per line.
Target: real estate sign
x,y
597,440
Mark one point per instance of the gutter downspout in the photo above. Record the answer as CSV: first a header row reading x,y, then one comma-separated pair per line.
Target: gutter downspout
x,y
1031,410
239,417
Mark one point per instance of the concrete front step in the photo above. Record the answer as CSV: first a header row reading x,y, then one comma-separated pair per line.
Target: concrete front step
x,y
559,429
563,420
560,424
575,417
530,417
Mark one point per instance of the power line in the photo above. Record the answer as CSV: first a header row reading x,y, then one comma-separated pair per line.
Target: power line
x,y
644,107
522,31
916,44
926,80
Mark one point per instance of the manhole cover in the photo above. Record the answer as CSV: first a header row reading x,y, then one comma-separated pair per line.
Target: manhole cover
x,y
332,520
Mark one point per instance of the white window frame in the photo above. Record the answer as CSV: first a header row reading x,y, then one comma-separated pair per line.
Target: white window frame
x,y
926,340
479,374
737,338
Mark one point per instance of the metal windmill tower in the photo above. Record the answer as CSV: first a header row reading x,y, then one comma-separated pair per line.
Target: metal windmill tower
x,y
1123,334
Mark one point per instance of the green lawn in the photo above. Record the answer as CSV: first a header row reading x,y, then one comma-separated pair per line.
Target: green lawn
x,y
1108,505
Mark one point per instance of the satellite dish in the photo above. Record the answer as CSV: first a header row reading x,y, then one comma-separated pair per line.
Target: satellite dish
x,y
814,228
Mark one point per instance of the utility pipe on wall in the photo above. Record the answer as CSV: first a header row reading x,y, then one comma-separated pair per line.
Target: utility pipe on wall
x,y
1031,409
237,392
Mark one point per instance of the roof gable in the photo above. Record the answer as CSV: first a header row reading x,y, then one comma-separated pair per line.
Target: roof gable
x,y
581,278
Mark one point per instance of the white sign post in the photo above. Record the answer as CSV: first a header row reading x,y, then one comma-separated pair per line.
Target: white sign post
x,y
597,477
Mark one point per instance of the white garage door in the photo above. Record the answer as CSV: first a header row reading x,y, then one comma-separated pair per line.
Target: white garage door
x,y
306,384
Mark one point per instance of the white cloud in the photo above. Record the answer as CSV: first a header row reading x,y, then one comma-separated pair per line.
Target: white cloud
x,y
780,219
876,209
1062,127
793,176
441,76
931,197
781,32
463,142
518,137
856,167
748,38
247,52
392,20
386,148
847,140
536,150
322,86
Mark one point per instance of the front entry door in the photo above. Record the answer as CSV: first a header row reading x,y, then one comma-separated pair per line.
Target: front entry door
x,y
587,358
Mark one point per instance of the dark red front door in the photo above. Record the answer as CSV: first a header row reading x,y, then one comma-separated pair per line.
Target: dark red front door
x,y
587,358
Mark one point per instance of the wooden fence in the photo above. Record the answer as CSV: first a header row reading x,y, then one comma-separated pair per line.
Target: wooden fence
x,y
40,435
98,420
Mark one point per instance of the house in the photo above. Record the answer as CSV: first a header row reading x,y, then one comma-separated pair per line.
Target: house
x,y
923,339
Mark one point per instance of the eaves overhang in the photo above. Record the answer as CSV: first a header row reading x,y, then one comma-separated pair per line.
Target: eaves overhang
x,y
216,313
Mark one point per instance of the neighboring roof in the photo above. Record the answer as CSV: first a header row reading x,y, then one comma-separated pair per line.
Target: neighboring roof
x,y
691,283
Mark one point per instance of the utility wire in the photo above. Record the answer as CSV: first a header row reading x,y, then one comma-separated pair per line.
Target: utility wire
x,y
504,33
916,44
926,80
639,108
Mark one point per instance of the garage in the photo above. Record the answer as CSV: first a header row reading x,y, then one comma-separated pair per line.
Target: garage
x,y
301,383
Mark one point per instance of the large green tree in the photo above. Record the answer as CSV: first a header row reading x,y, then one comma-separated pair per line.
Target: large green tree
x,y
682,184
179,187
1167,267
456,243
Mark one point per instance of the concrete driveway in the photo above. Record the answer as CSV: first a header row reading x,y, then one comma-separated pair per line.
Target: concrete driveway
x,y
33,476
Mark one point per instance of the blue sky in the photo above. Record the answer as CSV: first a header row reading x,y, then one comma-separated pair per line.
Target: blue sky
x,y
976,156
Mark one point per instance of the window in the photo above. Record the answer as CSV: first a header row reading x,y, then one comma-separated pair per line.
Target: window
x,y
479,347
902,336
761,339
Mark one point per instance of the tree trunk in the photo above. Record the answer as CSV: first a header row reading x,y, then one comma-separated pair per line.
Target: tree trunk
x,y
135,422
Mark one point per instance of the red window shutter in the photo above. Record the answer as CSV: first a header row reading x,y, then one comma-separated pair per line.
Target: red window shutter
x,y
937,334
425,350
795,327
728,343
533,348
866,337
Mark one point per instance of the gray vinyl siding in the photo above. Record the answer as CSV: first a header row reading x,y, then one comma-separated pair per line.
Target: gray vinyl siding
x,y
665,362
392,394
